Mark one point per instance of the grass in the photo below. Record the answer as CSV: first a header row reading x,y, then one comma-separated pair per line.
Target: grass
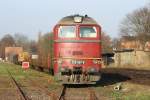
x,y
3,70
129,91
113,95
137,97
23,75
116,95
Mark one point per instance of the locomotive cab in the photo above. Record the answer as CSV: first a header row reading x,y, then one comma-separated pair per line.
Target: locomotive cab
x,y
77,50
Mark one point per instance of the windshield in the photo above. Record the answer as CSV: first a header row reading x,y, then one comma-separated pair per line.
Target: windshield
x,y
66,32
88,32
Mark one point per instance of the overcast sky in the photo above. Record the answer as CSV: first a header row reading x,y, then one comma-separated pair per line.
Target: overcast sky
x,y
31,16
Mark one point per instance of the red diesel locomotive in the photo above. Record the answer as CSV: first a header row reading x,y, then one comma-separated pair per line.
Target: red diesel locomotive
x,y
77,50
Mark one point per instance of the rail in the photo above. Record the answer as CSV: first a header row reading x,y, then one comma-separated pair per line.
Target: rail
x,y
92,94
23,96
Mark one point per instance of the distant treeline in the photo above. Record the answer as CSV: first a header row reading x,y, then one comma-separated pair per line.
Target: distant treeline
x,y
20,40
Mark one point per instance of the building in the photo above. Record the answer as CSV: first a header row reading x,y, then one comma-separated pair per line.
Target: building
x,y
131,42
132,53
12,51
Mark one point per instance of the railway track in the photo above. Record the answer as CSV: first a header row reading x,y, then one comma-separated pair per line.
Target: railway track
x,y
63,92
24,93
19,90
91,93
45,90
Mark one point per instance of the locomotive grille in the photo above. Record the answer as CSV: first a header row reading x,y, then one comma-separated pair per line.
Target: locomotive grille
x,y
77,53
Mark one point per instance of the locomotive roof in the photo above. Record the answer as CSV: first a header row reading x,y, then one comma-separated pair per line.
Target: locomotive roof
x,y
70,20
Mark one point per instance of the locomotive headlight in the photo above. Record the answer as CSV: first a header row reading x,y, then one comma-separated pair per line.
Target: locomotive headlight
x,y
78,19
92,70
97,61
60,61
62,69
79,62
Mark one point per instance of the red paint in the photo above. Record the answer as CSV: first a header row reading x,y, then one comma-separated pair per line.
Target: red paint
x,y
89,50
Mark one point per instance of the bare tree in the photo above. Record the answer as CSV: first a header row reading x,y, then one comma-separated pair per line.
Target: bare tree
x,y
106,43
33,47
137,24
116,44
45,43
22,41
6,41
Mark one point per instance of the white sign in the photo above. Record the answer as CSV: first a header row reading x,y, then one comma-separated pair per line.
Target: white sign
x,y
34,56
25,65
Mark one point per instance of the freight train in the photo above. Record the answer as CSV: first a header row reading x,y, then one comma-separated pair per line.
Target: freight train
x,y
76,54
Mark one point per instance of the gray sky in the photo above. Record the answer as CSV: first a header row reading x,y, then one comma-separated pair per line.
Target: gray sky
x,y
31,16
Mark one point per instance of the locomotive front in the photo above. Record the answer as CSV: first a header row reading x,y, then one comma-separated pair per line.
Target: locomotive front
x,y
77,50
